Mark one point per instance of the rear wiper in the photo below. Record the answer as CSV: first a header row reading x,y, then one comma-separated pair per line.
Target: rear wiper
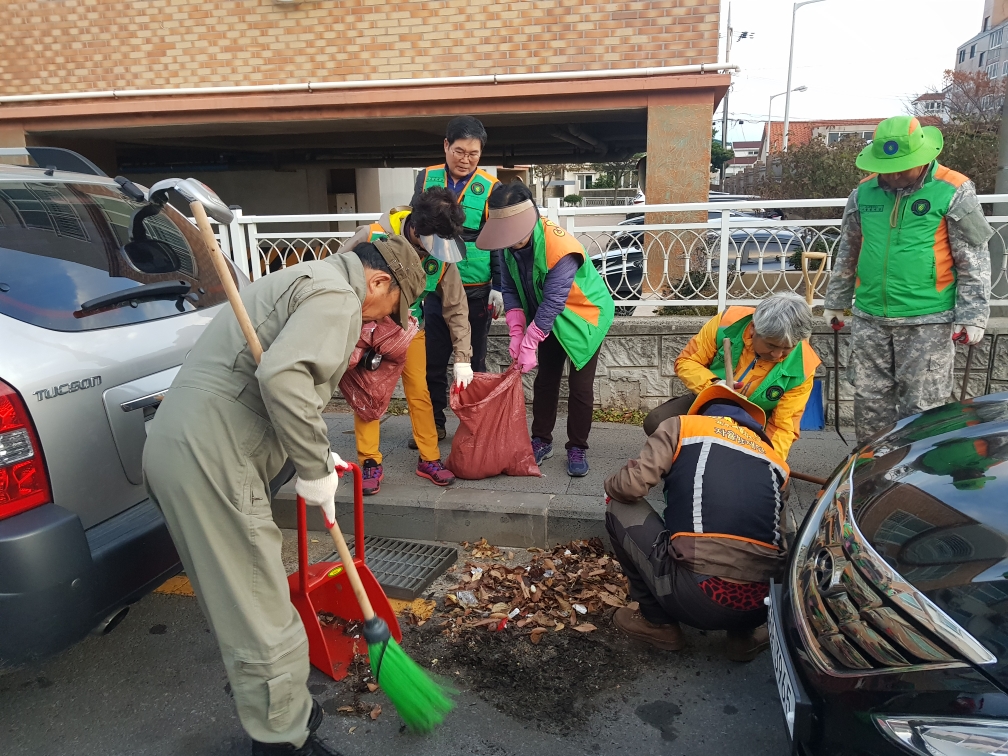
x,y
160,290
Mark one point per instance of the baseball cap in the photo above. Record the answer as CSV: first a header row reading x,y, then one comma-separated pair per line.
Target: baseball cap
x,y
404,263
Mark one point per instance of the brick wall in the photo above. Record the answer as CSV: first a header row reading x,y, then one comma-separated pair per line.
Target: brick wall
x,y
75,45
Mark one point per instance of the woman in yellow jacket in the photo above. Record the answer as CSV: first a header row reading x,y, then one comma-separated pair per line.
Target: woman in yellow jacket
x,y
432,226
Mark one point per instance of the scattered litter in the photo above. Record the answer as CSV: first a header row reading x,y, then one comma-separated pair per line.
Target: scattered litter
x,y
419,611
351,730
548,573
467,598
514,613
580,608
351,629
375,712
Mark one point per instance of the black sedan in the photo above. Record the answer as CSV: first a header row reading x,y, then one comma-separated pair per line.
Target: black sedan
x,y
890,632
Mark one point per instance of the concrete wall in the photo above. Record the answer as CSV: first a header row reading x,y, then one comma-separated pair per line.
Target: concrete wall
x,y
636,365
79,45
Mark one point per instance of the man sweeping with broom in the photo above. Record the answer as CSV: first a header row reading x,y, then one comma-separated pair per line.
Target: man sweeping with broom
x,y
223,432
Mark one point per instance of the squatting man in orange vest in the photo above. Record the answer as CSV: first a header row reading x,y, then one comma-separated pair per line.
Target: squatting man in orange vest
x,y
709,562
914,269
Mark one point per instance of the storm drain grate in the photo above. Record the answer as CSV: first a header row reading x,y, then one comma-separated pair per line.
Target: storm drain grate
x,y
404,569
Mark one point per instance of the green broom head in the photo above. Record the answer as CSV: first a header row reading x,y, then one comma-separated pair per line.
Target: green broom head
x,y
421,702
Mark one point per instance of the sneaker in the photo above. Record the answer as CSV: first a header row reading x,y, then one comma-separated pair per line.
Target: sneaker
x,y
435,472
542,450
441,433
313,746
577,462
666,637
372,474
746,645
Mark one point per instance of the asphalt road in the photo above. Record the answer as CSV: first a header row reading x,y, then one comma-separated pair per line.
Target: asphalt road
x,y
156,686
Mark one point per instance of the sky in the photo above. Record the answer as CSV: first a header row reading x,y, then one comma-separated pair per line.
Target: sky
x,y
858,58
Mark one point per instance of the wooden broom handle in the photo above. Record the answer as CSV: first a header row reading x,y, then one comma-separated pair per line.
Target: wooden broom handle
x,y
253,341
224,274
729,364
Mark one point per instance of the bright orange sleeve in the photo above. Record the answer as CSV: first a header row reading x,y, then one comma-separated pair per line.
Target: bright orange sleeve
x,y
692,366
782,427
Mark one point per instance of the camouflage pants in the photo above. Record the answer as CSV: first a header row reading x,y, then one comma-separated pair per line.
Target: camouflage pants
x,y
898,371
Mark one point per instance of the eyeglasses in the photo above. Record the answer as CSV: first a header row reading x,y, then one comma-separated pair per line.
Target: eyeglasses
x,y
460,154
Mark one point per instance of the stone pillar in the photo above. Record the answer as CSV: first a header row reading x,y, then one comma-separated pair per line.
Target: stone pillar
x,y
678,170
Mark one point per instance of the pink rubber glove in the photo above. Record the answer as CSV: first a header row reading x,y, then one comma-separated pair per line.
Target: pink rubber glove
x,y
527,352
515,320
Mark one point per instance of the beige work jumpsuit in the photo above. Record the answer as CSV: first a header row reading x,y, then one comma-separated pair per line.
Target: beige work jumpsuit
x,y
222,432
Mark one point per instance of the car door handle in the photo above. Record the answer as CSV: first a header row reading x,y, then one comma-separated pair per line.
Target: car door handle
x,y
151,400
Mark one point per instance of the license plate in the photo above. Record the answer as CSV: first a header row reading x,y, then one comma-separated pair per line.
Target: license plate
x,y
785,686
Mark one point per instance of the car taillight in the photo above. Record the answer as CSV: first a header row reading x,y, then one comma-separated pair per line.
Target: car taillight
x,y
24,482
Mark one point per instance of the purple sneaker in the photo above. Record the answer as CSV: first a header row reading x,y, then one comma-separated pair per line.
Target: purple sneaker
x,y
577,462
435,472
372,475
541,450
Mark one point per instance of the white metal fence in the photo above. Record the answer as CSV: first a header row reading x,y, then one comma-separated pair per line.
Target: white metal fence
x,y
683,255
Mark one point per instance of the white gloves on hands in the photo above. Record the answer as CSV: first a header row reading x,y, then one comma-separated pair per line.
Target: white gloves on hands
x,y
321,492
463,375
973,334
830,315
496,303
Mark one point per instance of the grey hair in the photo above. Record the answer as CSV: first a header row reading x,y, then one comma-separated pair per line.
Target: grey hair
x,y
783,318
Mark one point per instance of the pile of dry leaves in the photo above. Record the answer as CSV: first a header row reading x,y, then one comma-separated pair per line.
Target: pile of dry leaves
x,y
565,588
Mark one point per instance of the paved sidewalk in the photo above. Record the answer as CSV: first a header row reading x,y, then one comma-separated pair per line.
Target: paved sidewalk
x,y
526,511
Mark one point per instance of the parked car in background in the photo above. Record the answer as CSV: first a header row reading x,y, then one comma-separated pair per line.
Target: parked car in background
x,y
102,295
889,633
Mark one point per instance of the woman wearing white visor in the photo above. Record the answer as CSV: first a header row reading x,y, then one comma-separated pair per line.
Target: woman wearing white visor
x,y
557,307
432,226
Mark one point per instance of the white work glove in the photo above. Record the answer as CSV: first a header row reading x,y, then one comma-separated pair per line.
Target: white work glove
x,y
321,492
463,375
830,315
967,334
496,303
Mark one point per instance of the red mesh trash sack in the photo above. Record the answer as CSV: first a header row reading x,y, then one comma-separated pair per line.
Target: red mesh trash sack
x,y
492,437
368,392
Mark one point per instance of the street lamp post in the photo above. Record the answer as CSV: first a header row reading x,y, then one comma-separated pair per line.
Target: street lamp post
x,y
769,120
787,101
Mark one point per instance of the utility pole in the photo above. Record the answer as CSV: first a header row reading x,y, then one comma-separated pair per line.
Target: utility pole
x,y
790,65
724,104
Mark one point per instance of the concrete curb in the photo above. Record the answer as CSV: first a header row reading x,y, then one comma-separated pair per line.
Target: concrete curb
x,y
426,513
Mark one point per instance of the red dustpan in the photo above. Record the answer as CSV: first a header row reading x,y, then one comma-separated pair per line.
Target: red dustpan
x,y
324,587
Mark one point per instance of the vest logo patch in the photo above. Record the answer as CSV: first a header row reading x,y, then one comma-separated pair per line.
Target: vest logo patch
x,y
871,208
430,266
774,393
891,147
559,231
477,189
920,207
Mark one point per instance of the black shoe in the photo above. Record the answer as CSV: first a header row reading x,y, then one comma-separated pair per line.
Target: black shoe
x,y
312,747
441,433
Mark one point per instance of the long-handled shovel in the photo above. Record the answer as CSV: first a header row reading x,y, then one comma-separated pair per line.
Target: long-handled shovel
x,y
420,701
960,339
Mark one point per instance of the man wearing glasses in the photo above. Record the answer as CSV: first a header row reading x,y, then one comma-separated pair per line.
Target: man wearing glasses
x,y
480,270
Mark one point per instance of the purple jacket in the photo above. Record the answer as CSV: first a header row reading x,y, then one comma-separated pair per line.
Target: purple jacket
x,y
556,287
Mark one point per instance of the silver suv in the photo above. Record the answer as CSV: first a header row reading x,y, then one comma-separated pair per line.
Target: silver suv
x,y
102,295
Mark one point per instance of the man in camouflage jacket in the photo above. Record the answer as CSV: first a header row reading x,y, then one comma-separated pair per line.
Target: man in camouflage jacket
x,y
914,269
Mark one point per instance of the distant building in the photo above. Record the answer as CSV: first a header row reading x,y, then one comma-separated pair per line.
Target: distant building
x,y
934,104
746,154
982,52
803,132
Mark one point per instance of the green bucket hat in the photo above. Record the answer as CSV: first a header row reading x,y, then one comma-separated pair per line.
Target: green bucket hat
x,y
900,143
972,484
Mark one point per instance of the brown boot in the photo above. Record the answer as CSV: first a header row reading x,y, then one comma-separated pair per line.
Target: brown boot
x,y
746,645
666,637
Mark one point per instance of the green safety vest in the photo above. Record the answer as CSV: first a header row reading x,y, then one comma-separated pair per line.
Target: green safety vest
x,y
584,322
782,377
475,268
905,267
433,267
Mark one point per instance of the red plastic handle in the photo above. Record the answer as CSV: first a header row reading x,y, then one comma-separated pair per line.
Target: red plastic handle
x,y
302,526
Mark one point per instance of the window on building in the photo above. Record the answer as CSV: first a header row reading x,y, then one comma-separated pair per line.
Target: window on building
x,y
1004,68
835,136
972,51
980,62
986,23
992,71
962,55
995,38
585,180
